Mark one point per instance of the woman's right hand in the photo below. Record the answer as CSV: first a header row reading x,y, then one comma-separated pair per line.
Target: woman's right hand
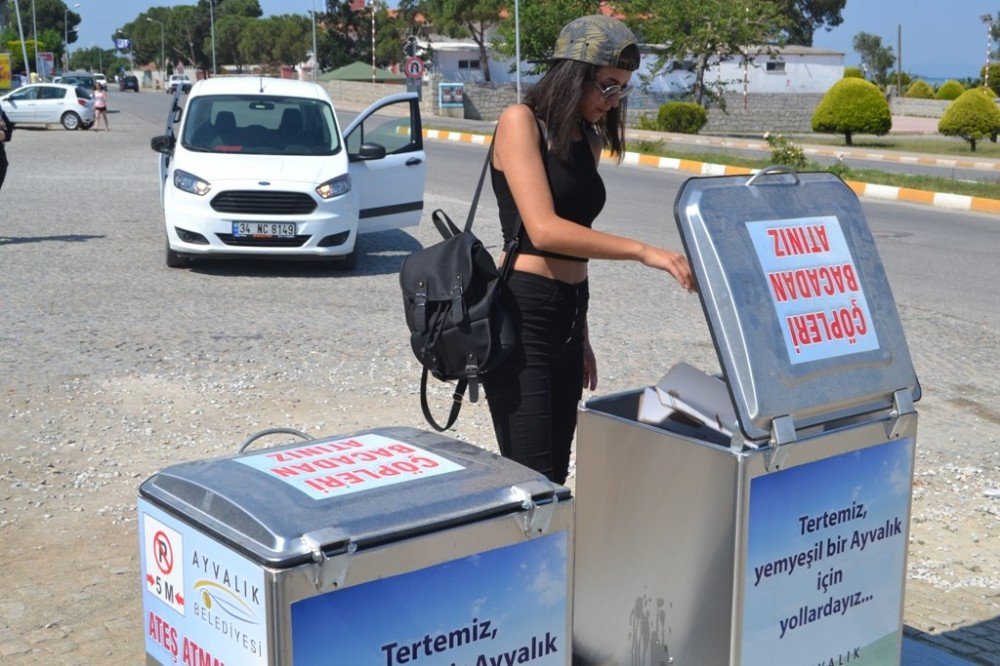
x,y
672,262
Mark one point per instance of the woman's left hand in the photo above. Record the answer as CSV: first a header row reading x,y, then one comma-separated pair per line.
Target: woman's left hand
x,y
589,367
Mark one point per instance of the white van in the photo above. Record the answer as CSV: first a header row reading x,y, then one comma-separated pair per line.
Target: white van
x,y
259,166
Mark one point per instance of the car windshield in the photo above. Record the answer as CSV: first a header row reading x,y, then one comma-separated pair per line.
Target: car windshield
x,y
83,93
260,125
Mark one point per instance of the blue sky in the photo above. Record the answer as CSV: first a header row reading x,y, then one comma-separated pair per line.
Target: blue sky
x,y
940,39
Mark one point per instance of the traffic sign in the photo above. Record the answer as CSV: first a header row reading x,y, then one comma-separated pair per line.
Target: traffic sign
x,y
414,67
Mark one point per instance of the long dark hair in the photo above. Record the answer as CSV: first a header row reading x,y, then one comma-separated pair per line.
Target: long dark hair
x,y
555,99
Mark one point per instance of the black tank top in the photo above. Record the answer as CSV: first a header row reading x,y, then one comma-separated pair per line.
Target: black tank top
x,y
577,191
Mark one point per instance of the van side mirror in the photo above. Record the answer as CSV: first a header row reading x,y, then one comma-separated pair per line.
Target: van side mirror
x,y
371,151
163,143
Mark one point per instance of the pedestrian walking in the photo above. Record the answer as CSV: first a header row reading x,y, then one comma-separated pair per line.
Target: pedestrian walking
x,y
6,130
101,106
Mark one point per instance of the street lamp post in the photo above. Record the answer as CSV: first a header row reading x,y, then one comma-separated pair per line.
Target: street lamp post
x,y
315,64
373,40
66,31
987,19
163,56
211,18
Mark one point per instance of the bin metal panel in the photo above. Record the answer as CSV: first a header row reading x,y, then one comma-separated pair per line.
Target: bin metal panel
x,y
243,562
278,506
692,551
800,310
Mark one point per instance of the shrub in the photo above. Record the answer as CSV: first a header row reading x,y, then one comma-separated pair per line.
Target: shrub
x,y
994,77
852,106
683,117
973,116
949,90
853,73
920,90
785,151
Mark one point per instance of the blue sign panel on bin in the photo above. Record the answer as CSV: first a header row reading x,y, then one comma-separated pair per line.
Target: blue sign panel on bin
x,y
825,559
503,606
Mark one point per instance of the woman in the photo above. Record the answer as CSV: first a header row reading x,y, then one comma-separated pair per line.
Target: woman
x,y
101,106
544,169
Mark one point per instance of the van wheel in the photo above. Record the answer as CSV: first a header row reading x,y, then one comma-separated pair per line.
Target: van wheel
x,y
175,260
70,120
347,262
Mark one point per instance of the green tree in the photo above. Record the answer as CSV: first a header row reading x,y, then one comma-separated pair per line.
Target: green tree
x,y
852,106
920,90
467,18
973,116
854,72
806,16
342,31
705,31
291,38
949,90
875,58
541,21
994,78
49,15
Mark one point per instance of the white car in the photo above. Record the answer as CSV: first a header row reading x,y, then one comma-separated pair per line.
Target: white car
x,y
178,81
50,103
103,80
259,166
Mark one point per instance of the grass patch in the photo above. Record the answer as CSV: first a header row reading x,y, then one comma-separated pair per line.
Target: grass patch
x,y
908,144
916,182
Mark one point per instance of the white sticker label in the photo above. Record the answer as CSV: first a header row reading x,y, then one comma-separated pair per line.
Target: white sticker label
x,y
344,466
164,573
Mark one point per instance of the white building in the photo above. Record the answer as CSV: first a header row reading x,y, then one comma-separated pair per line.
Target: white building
x,y
794,69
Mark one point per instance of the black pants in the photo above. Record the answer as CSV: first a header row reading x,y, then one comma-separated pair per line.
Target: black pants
x,y
533,395
3,164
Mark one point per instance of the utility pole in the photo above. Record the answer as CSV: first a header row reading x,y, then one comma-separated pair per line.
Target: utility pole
x,y
988,20
899,61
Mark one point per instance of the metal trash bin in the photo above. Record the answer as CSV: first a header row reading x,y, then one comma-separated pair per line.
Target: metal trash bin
x,y
386,546
783,542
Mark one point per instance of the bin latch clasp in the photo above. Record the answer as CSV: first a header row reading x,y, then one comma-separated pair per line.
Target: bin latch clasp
x,y
331,553
901,413
782,434
536,516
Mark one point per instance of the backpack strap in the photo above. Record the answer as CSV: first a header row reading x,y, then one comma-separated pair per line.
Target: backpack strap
x,y
456,404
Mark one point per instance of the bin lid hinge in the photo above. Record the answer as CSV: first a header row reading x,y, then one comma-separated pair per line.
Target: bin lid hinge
x,y
902,411
782,434
331,553
537,507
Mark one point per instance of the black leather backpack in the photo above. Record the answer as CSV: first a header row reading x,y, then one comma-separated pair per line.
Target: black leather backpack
x,y
453,298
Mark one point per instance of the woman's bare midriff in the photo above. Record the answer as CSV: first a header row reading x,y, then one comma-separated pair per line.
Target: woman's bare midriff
x,y
563,270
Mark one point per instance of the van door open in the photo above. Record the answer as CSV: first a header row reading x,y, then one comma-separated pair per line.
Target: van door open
x,y
387,163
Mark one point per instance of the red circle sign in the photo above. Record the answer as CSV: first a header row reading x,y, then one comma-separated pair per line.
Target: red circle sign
x,y
163,553
414,67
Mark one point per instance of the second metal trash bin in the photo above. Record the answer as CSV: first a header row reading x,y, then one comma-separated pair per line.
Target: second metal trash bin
x,y
383,547
783,544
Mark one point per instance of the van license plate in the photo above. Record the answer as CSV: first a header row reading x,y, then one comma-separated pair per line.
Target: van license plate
x,y
264,229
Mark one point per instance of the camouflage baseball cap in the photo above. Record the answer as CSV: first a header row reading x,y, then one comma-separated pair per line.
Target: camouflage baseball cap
x,y
598,40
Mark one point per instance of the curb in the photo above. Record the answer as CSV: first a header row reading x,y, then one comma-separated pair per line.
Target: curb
x,y
958,202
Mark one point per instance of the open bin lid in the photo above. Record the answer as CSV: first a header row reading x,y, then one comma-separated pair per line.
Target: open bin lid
x,y
800,310
342,493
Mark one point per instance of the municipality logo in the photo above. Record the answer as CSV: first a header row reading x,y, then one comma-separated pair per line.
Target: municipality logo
x,y
220,598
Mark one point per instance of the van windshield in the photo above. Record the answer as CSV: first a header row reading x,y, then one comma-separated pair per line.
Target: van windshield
x,y
260,125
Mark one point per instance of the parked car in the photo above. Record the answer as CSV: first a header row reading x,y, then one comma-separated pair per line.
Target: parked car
x,y
82,79
180,80
45,103
103,80
128,82
260,167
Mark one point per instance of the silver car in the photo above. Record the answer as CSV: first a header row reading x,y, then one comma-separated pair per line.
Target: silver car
x,y
49,103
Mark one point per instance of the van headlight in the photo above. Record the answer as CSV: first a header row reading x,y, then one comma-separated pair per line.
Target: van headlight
x,y
190,183
339,186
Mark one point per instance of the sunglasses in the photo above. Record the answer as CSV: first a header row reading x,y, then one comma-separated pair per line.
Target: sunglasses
x,y
614,90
